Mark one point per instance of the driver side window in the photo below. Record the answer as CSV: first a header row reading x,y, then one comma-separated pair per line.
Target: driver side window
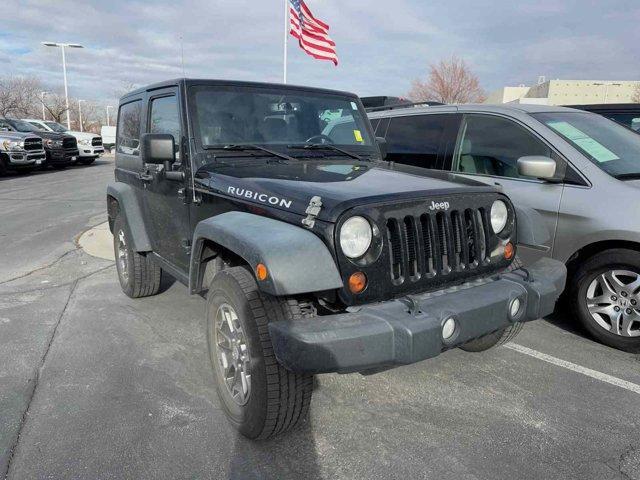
x,y
491,145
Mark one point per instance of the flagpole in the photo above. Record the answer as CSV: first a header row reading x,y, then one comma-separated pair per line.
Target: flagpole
x,y
286,36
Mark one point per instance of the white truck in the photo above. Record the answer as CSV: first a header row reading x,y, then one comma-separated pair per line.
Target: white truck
x,y
108,136
89,144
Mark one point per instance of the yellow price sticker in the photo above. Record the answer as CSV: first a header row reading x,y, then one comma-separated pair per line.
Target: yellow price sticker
x,y
358,135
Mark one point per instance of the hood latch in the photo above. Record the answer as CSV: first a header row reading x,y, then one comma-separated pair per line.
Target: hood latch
x,y
312,211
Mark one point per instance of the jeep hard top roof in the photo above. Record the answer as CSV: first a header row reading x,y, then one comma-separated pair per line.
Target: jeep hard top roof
x,y
188,82
480,107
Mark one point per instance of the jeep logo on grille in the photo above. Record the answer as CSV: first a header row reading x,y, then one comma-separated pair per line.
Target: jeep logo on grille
x,y
439,205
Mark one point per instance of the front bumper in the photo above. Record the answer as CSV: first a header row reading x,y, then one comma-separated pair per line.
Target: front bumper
x,y
408,330
61,156
26,158
90,151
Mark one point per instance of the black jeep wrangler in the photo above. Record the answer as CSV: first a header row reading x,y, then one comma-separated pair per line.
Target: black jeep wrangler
x,y
314,254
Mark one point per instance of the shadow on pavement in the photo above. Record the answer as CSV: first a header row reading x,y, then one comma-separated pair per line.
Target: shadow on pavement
x,y
292,456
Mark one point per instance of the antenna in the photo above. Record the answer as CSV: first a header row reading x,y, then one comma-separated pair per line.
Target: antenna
x,y
182,54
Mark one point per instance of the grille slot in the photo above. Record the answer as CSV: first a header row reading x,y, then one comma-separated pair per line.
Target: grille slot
x,y
69,142
31,144
436,244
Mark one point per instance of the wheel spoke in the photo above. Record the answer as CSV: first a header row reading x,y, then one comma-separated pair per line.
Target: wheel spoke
x,y
616,322
605,309
628,322
601,300
609,282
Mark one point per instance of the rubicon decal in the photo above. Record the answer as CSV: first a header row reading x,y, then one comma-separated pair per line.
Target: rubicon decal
x,y
260,197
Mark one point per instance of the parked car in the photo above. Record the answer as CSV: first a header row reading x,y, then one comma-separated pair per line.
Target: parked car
x,y
382,101
313,254
89,144
627,114
581,171
20,151
108,134
61,149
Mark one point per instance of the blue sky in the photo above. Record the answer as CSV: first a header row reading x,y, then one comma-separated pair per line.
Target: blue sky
x,y
382,45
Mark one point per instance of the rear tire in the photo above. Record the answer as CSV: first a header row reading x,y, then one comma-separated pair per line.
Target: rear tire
x,y
259,396
499,337
139,276
586,278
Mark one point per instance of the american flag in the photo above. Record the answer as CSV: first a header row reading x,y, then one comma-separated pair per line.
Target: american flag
x,y
312,34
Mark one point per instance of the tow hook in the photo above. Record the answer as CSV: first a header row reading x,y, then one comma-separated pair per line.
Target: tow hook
x,y
312,211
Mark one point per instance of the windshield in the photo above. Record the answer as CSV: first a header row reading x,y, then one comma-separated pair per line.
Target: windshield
x,y
56,127
22,126
612,147
279,118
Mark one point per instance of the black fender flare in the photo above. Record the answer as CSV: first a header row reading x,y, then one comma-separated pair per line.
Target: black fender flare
x,y
297,260
531,228
129,207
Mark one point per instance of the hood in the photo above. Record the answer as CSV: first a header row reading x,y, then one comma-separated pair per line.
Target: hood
x,y
16,135
82,135
50,135
340,184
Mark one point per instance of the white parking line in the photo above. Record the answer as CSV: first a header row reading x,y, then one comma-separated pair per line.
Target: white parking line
x,y
603,377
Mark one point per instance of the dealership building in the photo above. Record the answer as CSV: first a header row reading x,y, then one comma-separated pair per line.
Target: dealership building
x,y
568,92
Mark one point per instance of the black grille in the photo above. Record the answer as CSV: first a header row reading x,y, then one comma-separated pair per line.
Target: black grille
x,y
69,142
31,144
432,244
96,141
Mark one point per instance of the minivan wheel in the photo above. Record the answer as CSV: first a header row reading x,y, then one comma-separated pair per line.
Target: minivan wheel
x,y
605,295
259,396
139,276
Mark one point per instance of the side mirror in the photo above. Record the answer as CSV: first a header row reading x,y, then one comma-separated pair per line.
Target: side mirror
x,y
158,149
537,166
382,145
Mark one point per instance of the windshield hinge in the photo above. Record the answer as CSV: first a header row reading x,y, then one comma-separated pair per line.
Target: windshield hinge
x,y
312,211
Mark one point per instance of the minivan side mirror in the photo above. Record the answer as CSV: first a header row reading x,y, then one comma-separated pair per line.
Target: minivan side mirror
x,y
158,149
537,166
382,145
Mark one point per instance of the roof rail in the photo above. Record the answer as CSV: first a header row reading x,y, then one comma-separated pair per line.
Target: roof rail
x,y
403,105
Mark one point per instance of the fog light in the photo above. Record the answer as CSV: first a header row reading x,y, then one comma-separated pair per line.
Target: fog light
x,y
514,309
448,328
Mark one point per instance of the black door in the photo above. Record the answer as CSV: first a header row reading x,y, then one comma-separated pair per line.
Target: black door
x,y
166,210
422,140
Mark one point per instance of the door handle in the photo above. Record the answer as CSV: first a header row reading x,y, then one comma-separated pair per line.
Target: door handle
x,y
145,177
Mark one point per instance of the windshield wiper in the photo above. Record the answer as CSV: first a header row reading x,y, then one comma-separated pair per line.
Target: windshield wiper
x,y
250,146
321,146
628,176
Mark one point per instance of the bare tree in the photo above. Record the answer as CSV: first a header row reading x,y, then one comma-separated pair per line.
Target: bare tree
x,y
55,106
19,96
635,96
449,81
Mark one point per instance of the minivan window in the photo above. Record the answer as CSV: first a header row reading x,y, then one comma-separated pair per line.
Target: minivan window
x,y
415,139
492,145
612,147
128,141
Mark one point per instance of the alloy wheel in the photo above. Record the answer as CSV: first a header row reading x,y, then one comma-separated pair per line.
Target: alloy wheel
x,y
613,300
234,361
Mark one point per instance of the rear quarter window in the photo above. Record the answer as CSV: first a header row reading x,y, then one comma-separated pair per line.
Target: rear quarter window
x,y
128,135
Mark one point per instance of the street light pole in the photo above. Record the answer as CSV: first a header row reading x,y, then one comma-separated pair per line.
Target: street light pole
x,y
42,94
108,107
64,72
80,113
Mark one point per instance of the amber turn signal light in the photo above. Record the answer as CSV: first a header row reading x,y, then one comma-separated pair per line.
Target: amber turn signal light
x,y
261,272
509,250
357,282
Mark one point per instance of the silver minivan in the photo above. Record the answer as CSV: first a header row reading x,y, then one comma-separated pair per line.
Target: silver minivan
x,y
579,170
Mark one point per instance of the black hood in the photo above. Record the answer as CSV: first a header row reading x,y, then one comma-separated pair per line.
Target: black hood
x,y
341,184
51,135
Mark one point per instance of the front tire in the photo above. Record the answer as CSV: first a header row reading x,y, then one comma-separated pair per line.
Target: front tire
x,y
605,296
260,397
139,276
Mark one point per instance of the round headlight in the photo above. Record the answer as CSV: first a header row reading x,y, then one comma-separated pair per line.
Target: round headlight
x,y
499,216
355,237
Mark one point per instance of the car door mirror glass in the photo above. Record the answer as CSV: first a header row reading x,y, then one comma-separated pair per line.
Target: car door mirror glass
x,y
537,166
158,149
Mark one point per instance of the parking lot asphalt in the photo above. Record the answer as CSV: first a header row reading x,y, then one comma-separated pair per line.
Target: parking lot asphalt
x,y
96,385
